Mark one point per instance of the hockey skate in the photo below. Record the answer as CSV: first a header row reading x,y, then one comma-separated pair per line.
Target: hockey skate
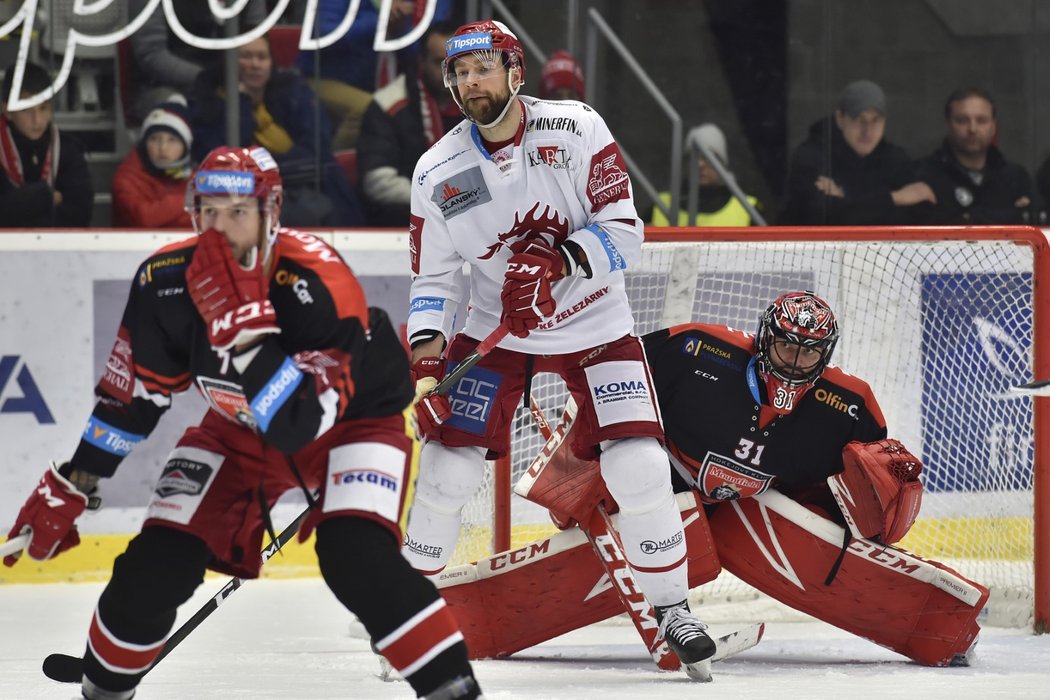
x,y
687,638
461,688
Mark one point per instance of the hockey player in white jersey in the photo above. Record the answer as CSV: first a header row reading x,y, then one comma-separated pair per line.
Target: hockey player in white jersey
x,y
534,196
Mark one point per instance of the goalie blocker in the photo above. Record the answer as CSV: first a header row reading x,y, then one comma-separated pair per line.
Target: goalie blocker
x,y
916,607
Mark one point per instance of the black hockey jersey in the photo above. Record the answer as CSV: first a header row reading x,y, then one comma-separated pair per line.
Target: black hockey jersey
x,y
726,443
334,359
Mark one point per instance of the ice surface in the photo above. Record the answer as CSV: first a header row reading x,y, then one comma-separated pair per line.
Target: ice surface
x,y
290,639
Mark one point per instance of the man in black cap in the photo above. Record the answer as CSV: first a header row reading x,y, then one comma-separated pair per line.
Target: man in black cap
x,y
972,181
846,173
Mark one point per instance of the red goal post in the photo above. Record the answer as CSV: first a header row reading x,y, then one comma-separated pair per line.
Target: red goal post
x,y
940,321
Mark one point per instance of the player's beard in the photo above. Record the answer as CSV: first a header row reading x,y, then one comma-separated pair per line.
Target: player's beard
x,y
485,111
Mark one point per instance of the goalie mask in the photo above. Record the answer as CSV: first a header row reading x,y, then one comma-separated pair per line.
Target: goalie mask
x,y
795,339
494,46
246,173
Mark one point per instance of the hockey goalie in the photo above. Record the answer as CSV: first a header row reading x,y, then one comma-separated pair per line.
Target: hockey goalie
x,y
786,479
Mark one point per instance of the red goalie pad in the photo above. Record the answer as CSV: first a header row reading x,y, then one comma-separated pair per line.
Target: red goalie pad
x,y
878,491
517,599
914,606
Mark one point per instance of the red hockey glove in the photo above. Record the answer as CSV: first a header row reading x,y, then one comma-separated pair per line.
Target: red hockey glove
x,y
50,515
542,250
526,291
879,490
432,409
231,299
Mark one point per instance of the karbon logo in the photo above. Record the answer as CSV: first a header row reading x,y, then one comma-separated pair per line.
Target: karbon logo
x,y
22,394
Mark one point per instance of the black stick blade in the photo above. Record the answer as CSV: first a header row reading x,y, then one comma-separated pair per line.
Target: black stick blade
x,y
63,668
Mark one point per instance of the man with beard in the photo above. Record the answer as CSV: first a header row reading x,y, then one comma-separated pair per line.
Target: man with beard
x,y
972,181
534,196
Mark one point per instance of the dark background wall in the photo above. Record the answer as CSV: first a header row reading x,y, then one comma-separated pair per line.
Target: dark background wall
x,y
720,61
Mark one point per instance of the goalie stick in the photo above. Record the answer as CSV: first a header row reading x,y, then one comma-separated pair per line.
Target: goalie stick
x,y
605,541
66,668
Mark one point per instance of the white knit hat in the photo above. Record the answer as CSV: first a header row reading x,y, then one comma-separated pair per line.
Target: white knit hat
x,y
171,116
712,137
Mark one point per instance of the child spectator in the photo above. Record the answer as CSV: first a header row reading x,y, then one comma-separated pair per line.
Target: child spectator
x,y
149,187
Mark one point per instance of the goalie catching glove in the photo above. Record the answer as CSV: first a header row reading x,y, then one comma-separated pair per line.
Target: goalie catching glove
x,y
50,515
878,490
232,299
526,291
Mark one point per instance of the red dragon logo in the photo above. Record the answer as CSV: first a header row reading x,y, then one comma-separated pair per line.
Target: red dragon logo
x,y
549,227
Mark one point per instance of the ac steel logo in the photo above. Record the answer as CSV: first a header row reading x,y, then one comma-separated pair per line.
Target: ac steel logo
x,y
365,476
835,401
108,16
472,399
30,400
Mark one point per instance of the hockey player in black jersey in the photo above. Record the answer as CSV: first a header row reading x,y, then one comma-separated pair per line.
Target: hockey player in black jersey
x,y
306,387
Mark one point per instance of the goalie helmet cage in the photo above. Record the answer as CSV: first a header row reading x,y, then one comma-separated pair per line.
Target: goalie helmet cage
x,y
942,322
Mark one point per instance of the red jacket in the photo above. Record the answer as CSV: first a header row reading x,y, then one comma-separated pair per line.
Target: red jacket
x,y
144,200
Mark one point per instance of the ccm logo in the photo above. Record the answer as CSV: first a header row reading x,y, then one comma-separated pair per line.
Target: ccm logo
x,y
524,268
251,310
517,556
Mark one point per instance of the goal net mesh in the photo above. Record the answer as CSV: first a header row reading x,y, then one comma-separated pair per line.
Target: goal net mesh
x,y
940,329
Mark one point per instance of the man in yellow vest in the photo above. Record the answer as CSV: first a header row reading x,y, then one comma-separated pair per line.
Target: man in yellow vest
x,y
716,205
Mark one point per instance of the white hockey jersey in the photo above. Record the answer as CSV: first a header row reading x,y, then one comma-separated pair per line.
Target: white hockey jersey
x,y
562,178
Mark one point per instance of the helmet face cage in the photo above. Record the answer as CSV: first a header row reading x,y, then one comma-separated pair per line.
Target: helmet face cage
x,y
238,172
494,44
803,319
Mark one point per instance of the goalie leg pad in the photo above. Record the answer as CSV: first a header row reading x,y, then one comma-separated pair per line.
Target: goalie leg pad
x,y
448,476
916,607
517,599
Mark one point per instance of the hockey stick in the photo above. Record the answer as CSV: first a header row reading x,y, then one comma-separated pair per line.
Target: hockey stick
x,y
605,540
65,668
14,545
1037,388
484,348
609,550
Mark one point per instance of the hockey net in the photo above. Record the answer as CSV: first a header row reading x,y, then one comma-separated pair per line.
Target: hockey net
x,y
941,323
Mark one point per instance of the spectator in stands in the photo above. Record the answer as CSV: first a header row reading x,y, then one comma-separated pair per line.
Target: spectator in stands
x,y
716,205
346,73
972,181
405,119
845,172
149,187
162,63
44,178
562,78
277,111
